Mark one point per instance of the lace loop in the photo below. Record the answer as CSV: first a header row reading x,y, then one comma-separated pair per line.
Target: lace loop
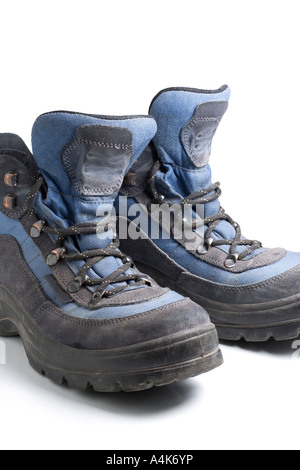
x,y
91,258
205,196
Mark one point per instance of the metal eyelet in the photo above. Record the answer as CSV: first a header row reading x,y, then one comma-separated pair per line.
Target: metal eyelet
x,y
10,201
55,256
147,281
96,299
11,179
36,229
202,250
75,285
97,296
231,260
127,259
161,199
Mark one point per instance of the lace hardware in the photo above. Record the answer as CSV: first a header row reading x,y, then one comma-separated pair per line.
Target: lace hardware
x,y
231,260
147,281
75,285
55,256
36,229
127,259
202,250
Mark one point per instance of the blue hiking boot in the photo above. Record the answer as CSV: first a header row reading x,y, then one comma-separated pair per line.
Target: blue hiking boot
x,y
86,316
250,292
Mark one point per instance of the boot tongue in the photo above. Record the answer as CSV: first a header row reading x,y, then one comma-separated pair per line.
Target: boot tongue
x,y
187,120
83,160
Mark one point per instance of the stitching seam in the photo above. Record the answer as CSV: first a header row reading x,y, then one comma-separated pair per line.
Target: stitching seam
x,y
98,323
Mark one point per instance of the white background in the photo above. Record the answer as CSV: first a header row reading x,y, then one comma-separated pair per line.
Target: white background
x,y
112,58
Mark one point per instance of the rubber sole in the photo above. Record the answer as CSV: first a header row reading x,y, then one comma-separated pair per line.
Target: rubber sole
x,y
249,322
134,368
261,334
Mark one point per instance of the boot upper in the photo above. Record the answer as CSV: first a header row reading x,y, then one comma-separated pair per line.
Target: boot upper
x,y
80,161
187,121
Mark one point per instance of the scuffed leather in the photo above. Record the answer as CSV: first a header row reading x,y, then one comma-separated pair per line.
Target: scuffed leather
x,y
148,254
217,257
80,333
278,288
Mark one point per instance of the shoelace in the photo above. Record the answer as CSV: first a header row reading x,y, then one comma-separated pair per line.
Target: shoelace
x,y
204,197
91,257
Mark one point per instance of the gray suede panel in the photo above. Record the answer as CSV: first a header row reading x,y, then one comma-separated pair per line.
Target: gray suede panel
x,y
217,257
18,279
59,292
279,287
181,316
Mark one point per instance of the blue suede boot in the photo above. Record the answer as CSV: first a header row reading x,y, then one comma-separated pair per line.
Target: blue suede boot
x,y
249,291
86,316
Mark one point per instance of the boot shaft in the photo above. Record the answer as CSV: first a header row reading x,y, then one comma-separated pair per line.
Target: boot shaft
x,y
84,159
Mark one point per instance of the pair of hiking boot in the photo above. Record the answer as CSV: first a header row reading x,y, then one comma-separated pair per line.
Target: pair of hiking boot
x,y
90,318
